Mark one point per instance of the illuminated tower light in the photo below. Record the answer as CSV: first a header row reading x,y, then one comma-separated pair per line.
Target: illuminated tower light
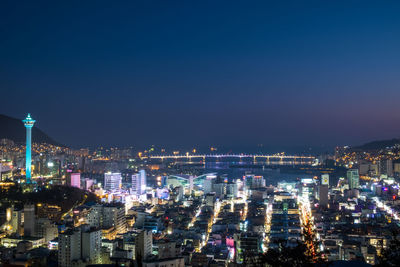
x,y
28,122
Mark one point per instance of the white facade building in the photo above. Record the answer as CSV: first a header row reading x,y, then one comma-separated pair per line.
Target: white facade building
x,y
91,245
82,244
144,245
353,178
112,181
139,183
69,247
106,216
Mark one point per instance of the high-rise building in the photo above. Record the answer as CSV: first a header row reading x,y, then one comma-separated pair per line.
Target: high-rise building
x,y
139,183
208,183
307,188
28,122
106,216
94,217
16,221
87,183
180,193
385,167
232,189
74,180
29,220
210,199
79,245
220,189
191,184
144,245
114,215
323,194
46,229
256,181
91,244
112,181
353,179
69,247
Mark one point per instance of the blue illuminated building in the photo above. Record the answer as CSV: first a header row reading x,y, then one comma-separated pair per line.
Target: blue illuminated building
x,y
28,122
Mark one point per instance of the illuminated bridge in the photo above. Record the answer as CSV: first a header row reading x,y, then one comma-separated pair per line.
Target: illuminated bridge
x,y
269,159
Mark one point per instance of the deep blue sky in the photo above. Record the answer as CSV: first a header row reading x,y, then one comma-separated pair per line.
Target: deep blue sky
x,y
194,73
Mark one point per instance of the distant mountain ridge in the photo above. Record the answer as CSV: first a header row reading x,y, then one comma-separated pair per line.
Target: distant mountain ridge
x,y
378,145
14,129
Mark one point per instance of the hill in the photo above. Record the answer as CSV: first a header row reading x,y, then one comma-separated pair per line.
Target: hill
x,y
14,129
378,145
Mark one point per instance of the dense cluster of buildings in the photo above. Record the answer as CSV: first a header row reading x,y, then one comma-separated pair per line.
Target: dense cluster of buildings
x,y
154,215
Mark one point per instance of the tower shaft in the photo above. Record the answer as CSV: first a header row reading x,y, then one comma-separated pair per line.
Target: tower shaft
x,y
28,123
28,154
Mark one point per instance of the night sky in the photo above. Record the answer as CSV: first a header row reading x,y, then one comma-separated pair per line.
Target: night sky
x,y
199,73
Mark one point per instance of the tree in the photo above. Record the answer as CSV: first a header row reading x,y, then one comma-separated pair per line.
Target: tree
x,y
391,255
283,256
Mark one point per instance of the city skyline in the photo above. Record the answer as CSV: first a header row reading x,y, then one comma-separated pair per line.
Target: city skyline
x,y
280,74
195,148
199,133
